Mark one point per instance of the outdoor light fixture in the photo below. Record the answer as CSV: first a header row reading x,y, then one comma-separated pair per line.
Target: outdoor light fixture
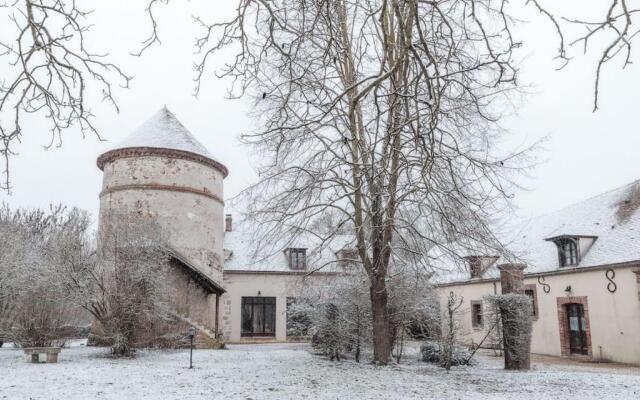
x,y
259,294
568,289
191,333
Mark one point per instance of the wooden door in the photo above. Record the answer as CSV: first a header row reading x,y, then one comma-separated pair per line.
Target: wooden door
x,y
577,329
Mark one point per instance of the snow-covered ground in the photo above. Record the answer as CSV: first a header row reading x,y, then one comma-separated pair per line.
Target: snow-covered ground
x,y
292,372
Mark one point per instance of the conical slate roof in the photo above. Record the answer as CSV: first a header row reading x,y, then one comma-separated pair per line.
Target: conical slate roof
x,y
164,131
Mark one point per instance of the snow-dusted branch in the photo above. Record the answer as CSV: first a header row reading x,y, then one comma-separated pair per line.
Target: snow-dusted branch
x,y
51,69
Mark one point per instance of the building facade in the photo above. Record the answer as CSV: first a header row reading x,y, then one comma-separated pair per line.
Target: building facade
x,y
582,272
581,264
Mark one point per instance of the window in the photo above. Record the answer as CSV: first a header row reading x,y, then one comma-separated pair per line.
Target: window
x,y
567,251
297,258
258,316
530,290
476,313
475,267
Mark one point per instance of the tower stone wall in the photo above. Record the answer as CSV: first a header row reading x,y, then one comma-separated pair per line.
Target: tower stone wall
x,y
181,193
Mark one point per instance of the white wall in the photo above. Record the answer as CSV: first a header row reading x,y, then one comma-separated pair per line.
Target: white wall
x,y
614,317
240,285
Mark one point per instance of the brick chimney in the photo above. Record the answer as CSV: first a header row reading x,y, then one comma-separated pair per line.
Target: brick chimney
x,y
228,223
511,278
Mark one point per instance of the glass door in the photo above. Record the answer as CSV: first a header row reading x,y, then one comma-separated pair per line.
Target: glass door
x,y
577,329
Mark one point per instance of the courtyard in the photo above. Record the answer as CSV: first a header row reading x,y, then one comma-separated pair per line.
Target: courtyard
x,y
291,371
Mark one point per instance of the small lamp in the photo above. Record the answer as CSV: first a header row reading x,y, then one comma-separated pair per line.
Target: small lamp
x,y
192,334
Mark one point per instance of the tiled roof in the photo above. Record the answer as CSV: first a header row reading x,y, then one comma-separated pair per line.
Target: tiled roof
x,y
612,217
242,252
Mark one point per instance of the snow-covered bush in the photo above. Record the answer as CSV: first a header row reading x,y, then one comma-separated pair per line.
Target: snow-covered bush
x,y
340,316
38,246
435,352
515,316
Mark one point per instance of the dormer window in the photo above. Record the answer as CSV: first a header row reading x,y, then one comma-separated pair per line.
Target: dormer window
x,y
297,258
479,264
475,267
572,248
567,251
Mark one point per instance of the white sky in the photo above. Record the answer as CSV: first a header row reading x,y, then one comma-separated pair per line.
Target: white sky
x,y
585,154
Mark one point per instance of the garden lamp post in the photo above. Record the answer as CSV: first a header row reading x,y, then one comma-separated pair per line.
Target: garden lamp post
x,y
191,333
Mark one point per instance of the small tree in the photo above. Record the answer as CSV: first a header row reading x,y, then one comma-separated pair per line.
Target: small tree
x,y
454,302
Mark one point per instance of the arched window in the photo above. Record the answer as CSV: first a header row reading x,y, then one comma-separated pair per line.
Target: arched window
x,y
567,252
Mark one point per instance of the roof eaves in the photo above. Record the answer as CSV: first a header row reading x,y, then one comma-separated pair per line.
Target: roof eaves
x,y
203,280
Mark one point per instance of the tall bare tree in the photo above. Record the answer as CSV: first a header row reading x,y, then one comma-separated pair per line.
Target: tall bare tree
x,y
383,113
51,67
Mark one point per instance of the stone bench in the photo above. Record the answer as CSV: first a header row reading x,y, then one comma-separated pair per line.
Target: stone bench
x,y
42,354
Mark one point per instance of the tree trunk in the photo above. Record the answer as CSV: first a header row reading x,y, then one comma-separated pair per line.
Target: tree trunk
x,y
381,324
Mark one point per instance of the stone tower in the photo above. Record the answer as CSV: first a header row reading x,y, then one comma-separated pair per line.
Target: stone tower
x,y
163,173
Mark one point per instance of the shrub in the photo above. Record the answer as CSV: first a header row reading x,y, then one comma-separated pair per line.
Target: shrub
x,y
433,352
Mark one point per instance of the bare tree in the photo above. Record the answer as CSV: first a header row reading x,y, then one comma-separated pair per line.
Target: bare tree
x,y
128,289
381,112
51,69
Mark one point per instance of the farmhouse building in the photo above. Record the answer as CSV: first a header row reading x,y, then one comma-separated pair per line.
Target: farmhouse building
x,y
581,265
581,268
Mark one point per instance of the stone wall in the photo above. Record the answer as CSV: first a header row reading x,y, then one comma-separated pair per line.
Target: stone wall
x,y
183,196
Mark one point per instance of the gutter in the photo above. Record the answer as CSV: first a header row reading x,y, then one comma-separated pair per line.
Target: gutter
x,y
266,272
562,271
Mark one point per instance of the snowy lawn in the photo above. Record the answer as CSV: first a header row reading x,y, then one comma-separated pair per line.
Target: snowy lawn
x,y
292,372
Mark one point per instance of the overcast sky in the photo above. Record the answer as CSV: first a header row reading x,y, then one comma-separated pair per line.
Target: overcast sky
x,y
585,153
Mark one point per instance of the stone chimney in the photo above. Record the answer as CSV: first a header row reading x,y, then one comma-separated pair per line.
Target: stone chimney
x,y
511,278
228,223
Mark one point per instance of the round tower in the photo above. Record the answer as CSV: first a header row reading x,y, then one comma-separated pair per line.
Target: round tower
x,y
161,172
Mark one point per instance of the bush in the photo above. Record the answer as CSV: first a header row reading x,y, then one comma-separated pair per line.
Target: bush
x,y
433,351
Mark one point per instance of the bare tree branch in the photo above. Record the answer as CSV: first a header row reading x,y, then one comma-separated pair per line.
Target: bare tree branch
x,y
51,70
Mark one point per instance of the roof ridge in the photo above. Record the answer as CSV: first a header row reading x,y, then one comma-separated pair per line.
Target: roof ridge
x,y
585,200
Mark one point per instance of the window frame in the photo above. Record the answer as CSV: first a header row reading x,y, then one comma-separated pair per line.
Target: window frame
x,y
300,255
567,252
534,300
477,315
259,302
475,267
348,257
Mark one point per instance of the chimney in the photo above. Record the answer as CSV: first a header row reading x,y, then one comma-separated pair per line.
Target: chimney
x,y
228,223
511,278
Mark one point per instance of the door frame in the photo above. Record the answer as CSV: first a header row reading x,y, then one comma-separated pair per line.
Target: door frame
x,y
563,324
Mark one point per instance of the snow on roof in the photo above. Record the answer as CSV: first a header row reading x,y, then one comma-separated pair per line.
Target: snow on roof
x,y
164,131
241,254
612,217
